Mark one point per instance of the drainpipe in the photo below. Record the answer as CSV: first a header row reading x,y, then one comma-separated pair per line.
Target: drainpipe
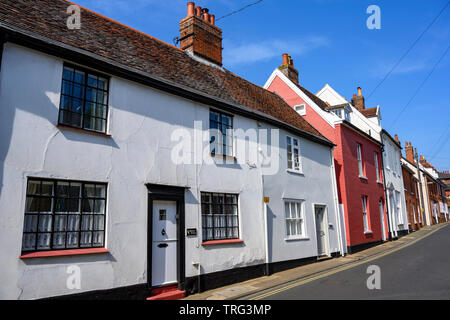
x,y
385,189
266,240
266,225
336,203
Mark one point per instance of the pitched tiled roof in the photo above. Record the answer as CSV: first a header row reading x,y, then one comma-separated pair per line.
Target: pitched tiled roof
x,y
319,102
369,113
138,51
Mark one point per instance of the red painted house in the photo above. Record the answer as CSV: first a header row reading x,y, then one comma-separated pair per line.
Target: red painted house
x,y
357,156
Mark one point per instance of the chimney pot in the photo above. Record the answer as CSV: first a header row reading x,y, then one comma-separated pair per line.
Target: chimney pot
x,y
190,8
212,19
359,92
198,11
206,14
285,59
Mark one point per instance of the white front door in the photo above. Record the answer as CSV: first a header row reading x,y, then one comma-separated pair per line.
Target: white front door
x,y
322,235
164,244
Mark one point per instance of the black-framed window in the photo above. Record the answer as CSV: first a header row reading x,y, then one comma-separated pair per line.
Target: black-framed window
x,y
64,215
220,220
84,99
221,126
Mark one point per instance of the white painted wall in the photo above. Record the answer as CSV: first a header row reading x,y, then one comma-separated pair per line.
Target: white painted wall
x,y
138,152
141,122
393,176
314,186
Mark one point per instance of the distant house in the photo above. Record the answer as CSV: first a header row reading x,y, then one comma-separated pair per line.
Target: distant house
x,y
91,121
413,196
436,193
369,120
444,177
357,155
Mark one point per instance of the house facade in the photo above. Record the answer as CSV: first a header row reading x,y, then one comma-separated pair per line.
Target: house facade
x,y
412,198
128,165
444,177
394,184
369,121
357,158
436,193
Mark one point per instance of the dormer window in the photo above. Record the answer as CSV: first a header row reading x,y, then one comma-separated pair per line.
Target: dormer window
x,y
342,113
301,109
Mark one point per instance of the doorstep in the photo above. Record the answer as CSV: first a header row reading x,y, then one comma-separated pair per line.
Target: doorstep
x,y
167,293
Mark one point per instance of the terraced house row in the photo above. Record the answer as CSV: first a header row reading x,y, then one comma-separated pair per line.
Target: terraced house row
x,y
148,171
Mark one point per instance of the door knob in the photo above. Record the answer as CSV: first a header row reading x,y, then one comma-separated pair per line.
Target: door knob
x,y
163,232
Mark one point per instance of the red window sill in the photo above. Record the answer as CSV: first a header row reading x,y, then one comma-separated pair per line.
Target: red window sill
x,y
96,133
211,243
59,253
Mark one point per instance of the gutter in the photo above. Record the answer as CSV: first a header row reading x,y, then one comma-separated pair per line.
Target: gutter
x,y
366,135
89,59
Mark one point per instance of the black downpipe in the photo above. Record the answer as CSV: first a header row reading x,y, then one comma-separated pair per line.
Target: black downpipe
x,y
3,39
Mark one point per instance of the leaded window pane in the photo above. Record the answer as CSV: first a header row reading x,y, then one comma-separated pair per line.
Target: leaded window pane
x,y
219,216
63,214
84,100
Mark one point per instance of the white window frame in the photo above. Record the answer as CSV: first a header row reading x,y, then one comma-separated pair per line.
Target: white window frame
x,y
299,217
360,160
377,166
365,215
218,145
300,109
347,115
292,159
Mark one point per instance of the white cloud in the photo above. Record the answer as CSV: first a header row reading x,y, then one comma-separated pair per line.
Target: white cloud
x,y
248,53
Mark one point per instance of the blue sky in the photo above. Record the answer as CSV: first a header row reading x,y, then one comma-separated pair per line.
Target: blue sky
x,y
330,43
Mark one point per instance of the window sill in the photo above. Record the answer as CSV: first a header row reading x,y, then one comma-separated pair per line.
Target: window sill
x,y
300,173
297,239
364,178
380,182
368,232
80,130
217,242
60,253
224,157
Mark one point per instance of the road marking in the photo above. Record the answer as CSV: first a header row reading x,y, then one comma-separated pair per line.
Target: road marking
x,y
300,283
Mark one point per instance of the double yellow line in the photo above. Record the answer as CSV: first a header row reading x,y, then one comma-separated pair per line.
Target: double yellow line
x,y
353,265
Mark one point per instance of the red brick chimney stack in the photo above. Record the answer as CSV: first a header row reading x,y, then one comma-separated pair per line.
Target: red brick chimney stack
x,y
409,152
287,68
200,35
358,100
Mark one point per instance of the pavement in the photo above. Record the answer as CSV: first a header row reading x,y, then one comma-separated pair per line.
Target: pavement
x,y
282,285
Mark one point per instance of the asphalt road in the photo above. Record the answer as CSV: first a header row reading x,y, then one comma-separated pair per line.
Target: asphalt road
x,y
420,271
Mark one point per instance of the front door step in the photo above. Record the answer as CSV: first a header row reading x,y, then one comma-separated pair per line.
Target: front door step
x,y
167,293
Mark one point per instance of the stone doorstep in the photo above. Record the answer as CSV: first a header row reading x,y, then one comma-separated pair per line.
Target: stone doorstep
x,y
249,287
